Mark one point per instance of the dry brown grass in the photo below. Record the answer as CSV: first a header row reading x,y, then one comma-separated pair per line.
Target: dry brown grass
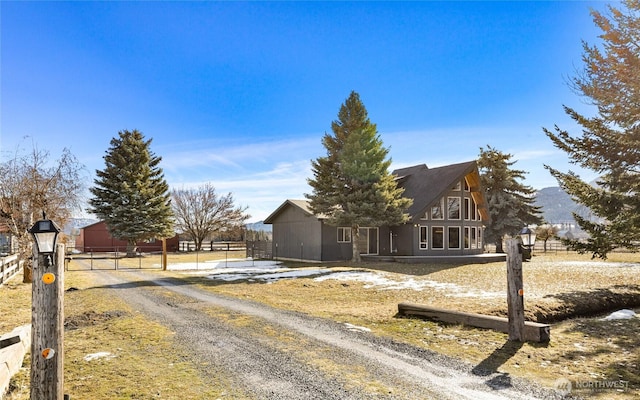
x,y
146,363
15,304
581,349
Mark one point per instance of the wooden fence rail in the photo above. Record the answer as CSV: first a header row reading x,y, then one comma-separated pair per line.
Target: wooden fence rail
x,y
9,266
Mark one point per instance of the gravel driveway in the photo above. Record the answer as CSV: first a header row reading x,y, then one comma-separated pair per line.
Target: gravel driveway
x,y
280,354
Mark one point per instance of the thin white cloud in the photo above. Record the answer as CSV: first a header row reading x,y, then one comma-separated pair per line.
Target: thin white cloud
x,y
238,155
262,191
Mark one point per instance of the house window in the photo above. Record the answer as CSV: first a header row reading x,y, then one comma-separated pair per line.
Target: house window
x,y
344,235
467,237
471,209
457,187
480,244
467,188
474,239
454,237
453,207
437,237
437,210
425,216
467,208
423,237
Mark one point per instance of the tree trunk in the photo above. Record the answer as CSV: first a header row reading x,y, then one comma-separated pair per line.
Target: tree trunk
x,y
131,248
27,272
355,235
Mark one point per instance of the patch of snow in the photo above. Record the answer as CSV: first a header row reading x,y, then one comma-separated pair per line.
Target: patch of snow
x,y
621,314
232,263
95,356
378,280
356,328
274,275
272,271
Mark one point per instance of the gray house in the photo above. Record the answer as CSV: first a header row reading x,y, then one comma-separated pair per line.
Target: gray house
x,y
448,215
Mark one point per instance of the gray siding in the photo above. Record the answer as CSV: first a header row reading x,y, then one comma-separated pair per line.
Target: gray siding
x,y
297,235
331,249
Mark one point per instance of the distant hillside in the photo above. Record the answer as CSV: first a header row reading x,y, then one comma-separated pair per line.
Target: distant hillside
x,y
259,226
558,207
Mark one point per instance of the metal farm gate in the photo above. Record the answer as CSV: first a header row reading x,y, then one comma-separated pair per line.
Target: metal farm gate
x,y
260,249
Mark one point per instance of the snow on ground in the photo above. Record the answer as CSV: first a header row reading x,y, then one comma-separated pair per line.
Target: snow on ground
x,y
239,269
272,271
622,314
356,328
381,281
96,356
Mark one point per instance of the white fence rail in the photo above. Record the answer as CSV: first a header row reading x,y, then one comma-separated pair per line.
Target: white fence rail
x,y
9,266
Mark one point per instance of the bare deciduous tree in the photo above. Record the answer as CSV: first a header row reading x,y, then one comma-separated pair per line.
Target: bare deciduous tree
x,y
30,184
200,212
545,232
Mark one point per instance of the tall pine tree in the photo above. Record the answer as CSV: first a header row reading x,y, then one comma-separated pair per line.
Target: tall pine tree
x,y
510,202
610,141
352,184
131,195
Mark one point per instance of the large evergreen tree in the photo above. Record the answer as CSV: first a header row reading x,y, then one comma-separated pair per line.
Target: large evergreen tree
x,y
131,195
610,141
352,184
511,204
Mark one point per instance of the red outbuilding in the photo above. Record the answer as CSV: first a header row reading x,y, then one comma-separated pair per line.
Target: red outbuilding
x,y
96,238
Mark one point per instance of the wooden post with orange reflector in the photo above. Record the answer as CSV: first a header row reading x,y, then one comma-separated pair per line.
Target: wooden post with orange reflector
x,y
47,325
515,291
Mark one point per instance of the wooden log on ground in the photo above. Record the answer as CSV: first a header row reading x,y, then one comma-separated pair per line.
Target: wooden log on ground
x,y
11,357
533,331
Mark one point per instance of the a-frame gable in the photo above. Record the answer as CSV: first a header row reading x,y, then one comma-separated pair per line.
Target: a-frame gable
x,y
426,186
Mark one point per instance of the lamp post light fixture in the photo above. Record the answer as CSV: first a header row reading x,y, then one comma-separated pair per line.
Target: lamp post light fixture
x,y
45,232
528,241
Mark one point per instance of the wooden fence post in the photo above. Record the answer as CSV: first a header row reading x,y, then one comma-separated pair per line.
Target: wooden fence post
x,y
47,326
164,254
515,291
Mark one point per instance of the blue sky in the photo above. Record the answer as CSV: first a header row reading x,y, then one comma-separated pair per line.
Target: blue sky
x,y
239,94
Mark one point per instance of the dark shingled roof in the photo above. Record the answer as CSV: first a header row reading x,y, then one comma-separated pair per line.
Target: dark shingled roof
x,y
301,204
426,186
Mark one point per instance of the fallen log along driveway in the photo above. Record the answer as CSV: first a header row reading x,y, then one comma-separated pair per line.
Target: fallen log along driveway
x,y
263,367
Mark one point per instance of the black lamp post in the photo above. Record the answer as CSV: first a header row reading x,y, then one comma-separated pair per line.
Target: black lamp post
x,y
528,241
45,232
